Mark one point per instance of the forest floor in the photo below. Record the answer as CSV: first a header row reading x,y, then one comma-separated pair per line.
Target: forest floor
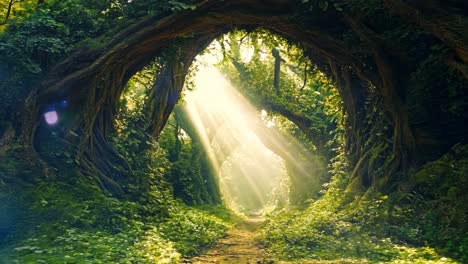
x,y
239,246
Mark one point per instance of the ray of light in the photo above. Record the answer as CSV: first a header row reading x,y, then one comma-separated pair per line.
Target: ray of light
x,y
244,156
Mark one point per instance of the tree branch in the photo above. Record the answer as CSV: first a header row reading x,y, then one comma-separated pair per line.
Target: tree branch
x,y
10,5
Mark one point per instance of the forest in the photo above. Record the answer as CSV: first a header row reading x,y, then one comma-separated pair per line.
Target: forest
x,y
240,131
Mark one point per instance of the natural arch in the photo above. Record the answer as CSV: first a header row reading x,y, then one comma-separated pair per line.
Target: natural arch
x,y
127,185
93,77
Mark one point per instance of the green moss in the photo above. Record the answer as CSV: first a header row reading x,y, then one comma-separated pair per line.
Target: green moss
x,y
353,189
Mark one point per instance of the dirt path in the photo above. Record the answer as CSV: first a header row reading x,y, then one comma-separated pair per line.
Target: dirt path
x,y
238,247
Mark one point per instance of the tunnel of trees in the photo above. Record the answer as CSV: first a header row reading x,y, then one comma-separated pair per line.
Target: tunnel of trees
x,y
392,159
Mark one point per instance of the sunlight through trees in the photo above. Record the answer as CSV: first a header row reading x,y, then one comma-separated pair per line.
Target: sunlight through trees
x,y
263,131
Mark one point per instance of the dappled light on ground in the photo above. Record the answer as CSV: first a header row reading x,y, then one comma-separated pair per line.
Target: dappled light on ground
x,y
240,246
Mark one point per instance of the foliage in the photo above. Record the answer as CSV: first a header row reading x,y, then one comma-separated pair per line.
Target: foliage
x,y
35,40
185,233
176,156
394,228
185,173
12,9
322,232
60,223
436,209
193,231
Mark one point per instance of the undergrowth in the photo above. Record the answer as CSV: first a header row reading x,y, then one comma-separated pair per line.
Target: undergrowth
x,y
73,221
424,223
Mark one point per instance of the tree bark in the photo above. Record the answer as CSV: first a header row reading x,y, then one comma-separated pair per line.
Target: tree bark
x,y
403,140
166,91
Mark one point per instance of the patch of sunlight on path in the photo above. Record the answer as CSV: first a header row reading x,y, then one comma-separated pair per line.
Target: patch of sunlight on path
x,y
239,246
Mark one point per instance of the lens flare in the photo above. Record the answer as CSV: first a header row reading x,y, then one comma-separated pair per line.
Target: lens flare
x,y
51,117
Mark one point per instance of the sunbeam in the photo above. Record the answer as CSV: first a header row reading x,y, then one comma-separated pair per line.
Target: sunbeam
x,y
249,155
248,172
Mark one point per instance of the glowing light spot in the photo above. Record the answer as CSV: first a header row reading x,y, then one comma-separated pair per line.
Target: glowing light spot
x,y
51,117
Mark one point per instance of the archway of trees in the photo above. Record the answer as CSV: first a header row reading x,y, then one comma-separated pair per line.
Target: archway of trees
x,y
379,68
400,69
